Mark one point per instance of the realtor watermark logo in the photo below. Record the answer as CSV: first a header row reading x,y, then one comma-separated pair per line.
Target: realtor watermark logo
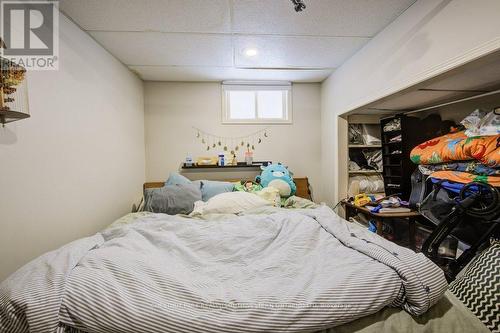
x,y
30,32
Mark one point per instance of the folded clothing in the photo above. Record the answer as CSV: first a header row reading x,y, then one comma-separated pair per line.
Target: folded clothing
x,y
481,123
357,156
490,125
397,138
470,167
355,133
374,158
393,125
465,177
353,166
458,147
371,134
365,184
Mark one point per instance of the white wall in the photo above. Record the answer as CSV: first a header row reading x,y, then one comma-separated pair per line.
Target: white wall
x,y
329,144
429,38
78,162
172,108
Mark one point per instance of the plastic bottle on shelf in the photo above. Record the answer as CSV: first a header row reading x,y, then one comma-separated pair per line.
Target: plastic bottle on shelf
x,y
189,161
221,159
249,157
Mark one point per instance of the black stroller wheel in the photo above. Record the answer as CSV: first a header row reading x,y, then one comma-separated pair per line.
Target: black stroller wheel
x,y
488,198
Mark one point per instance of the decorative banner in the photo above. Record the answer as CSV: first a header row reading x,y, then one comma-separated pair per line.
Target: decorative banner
x,y
231,143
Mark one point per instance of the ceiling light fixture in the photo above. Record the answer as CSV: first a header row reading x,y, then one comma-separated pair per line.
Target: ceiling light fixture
x,y
299,5
251,52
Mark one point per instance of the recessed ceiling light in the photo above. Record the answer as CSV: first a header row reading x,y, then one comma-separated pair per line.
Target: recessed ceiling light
x,y
251,52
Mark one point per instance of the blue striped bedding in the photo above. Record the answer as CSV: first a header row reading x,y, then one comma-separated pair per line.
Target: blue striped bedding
x,y
293,271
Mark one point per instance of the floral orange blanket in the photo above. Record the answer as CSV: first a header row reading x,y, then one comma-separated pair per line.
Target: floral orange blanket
x,y
458,147
465,177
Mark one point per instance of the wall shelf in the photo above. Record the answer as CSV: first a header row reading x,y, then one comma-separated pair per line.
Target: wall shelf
x,y
358,152
365,146
239,165
397,173
392,132
369,172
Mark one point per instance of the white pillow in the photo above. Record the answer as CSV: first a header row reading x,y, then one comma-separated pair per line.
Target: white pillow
x,y
229,203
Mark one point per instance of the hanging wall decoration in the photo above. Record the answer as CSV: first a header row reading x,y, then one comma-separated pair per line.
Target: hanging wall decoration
x,y
13,91
299,5
231,143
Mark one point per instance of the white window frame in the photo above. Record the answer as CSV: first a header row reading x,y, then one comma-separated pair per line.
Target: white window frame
x,y
227,87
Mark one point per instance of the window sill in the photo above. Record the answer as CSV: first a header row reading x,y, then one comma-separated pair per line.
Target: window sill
x,y
257,122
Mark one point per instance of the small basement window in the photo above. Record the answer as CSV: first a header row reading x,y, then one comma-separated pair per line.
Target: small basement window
x,y
246,103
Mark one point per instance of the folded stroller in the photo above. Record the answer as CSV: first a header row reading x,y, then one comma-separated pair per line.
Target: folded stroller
x,y
468,212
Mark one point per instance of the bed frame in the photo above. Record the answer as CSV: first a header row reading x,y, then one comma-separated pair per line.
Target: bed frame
x,y
302,183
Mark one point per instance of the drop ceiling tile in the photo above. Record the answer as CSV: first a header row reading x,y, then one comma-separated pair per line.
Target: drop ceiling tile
x,y
172,49
321,17
165,73
293,51
192,40
150,15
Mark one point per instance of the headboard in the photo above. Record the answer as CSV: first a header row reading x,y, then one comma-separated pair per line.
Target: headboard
x,y
302,183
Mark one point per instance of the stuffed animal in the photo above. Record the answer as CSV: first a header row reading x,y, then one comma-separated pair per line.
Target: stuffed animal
x,y
277,176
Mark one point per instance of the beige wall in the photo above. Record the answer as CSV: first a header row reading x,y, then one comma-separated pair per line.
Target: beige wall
x,y
329,145
429,38
172,108
78,162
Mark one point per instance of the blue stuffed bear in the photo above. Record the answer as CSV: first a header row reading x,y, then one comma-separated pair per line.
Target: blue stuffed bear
x,y
277,176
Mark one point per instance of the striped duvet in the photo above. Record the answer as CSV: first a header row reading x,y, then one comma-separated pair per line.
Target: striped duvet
x,y
293,271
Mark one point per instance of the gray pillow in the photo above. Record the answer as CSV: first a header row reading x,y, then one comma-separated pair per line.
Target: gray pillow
x,y
175,178
210,188
172,199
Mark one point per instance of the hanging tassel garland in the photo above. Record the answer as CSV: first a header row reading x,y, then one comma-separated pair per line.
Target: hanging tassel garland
x,y
211,142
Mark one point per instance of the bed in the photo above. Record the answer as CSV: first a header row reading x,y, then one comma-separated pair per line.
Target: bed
x,y
302,184
266,269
